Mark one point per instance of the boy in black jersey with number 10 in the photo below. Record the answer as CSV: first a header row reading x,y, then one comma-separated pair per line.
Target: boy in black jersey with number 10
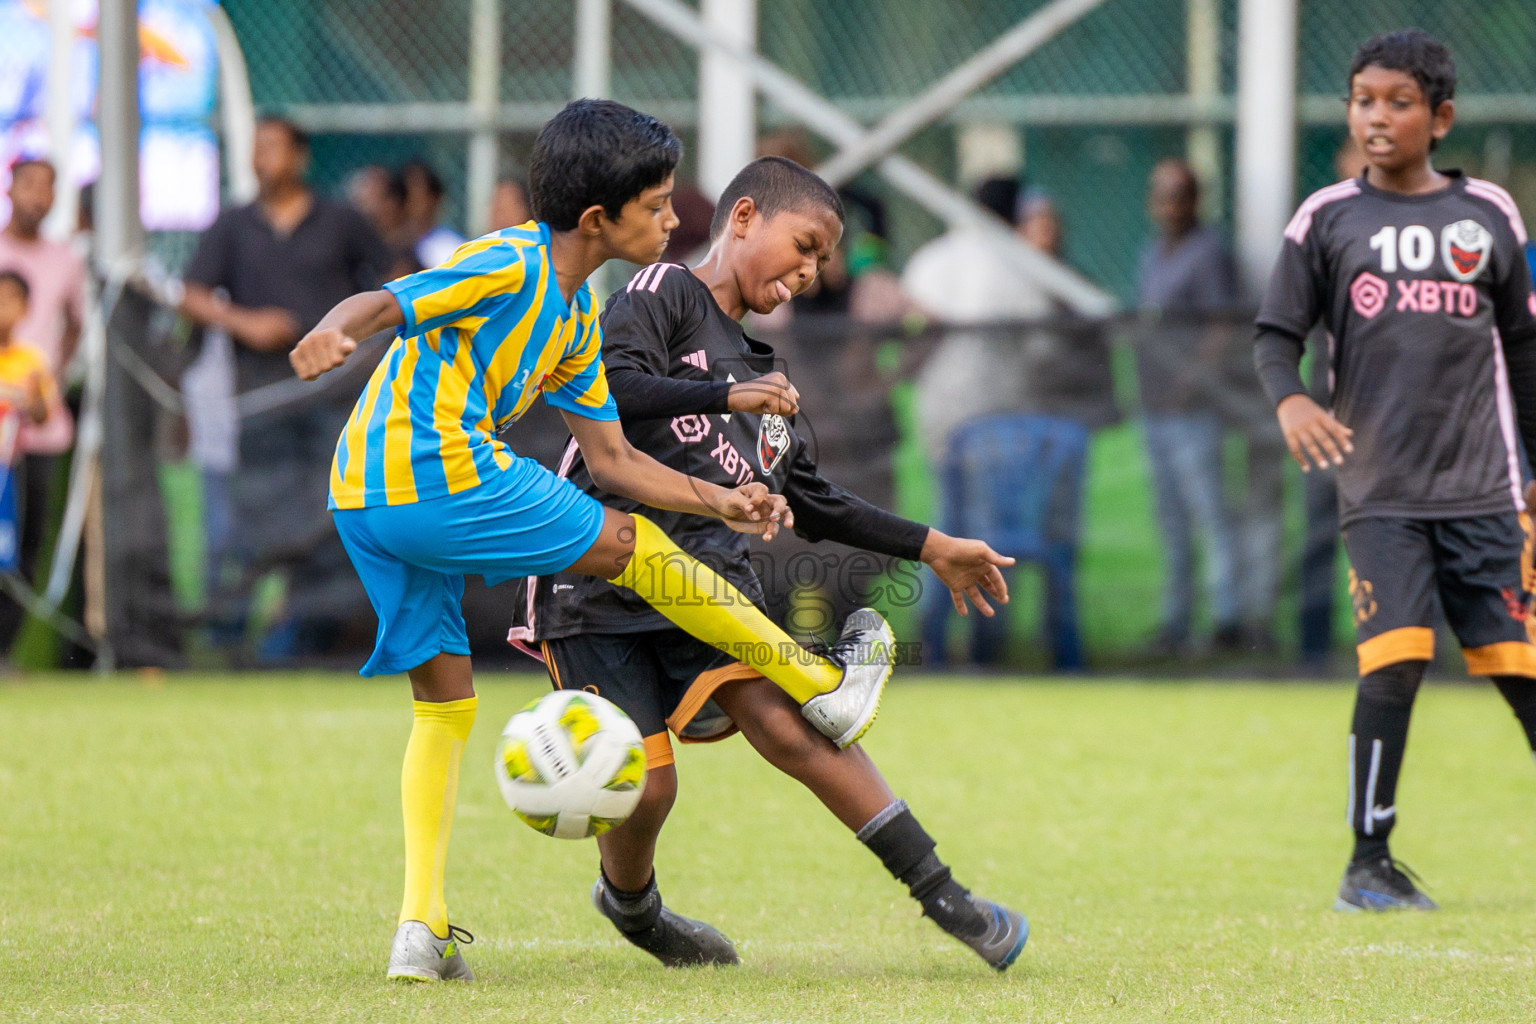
x,y
1419,276
693,390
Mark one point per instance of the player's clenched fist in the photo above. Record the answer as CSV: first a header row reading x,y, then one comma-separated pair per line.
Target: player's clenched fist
x,y
770,393
322,349
1311,430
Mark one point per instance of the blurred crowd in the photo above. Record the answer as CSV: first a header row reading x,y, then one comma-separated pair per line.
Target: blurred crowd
x,y
1008,385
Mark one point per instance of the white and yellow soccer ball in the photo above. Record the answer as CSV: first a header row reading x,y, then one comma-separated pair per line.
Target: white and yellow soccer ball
x,y
571,764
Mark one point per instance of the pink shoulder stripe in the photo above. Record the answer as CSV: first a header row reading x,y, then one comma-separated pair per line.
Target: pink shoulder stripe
x,y
638,281
655,279
1301,223
1503,200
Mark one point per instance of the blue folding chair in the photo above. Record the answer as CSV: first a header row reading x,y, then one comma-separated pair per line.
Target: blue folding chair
x,y
1016,482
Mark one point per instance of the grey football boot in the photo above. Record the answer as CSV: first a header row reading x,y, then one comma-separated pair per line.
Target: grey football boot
x,y
1002,938
1380,884
865,650
419,955
675,940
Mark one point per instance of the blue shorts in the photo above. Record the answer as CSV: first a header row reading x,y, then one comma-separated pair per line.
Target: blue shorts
x,y
525,521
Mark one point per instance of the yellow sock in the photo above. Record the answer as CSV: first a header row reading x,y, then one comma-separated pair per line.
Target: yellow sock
x,y
697,599
429,787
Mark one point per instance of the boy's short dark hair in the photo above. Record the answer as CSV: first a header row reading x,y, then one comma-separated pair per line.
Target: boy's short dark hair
x,y
1414,52
34,161
297,136
597,153
775,184
1000,195
15,278
428,174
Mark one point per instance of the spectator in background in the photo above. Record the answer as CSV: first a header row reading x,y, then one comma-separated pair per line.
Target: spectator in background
x,y
26,392
375,192
965,280
962,278
509,204
55,312
1066,368
1186,274
423,199
266,273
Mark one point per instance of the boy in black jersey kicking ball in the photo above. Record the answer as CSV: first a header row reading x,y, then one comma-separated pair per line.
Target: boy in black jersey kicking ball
x,y
693,390
1420,278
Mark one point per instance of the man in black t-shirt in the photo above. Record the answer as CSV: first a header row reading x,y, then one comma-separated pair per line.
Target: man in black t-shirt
x,y
697,394
266,273
1419,278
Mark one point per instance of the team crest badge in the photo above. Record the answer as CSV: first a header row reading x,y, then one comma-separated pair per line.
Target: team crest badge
x,y
1465,245
772,442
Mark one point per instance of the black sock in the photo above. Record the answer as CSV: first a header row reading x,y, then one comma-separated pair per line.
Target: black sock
x,y
906,850
1520,692
1378,736
633,911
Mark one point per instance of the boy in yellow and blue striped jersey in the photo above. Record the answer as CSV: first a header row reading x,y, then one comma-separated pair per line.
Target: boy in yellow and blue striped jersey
x,y
423,492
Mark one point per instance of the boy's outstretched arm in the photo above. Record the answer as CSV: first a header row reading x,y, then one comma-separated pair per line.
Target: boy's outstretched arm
x,y
336,336
619,468
641,395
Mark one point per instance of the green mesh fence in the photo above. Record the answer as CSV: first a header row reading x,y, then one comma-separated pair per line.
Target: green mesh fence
x,y
871,56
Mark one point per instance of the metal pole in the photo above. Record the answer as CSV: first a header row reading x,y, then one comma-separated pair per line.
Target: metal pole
x,y
727,101
119,232
592,66
484,91
946,94
237,110
594,48
824,118
1266,131
1202,63
60,117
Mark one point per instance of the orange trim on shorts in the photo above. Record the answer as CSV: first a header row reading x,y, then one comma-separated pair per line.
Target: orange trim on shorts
x,y
658,751
1407,643
1510,658
549,663
700,690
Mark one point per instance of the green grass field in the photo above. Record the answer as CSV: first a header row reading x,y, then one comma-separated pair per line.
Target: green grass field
x,y
228,850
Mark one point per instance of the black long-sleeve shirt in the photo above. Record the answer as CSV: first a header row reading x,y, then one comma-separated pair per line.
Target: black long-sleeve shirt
x,y
671,355
1432,327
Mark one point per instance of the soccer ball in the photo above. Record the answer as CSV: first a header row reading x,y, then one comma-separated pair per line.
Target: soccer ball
x,y
571,764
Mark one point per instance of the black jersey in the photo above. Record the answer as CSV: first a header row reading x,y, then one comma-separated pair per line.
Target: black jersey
x,y
1427,302
666,341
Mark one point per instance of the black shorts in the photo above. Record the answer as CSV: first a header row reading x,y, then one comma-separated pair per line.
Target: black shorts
x,y
663,679
1480,569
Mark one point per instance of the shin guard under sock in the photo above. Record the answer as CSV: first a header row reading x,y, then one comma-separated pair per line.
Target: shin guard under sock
x,y
429,786
1520,692
632,911
907,851
698,600
1378,737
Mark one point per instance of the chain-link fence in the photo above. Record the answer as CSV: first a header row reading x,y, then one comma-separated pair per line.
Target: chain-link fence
x,y
1089,113
1096,106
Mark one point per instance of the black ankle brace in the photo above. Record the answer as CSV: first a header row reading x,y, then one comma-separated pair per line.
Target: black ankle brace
x,y
907,851
632,911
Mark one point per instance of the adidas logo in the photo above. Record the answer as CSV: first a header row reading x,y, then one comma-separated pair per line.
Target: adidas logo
x,y
696,359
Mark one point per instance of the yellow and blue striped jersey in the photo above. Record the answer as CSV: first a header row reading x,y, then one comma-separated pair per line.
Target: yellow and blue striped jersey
x,y
484,335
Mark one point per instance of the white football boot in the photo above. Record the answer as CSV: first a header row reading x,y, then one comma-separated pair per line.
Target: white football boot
x,y
865,650
419,955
